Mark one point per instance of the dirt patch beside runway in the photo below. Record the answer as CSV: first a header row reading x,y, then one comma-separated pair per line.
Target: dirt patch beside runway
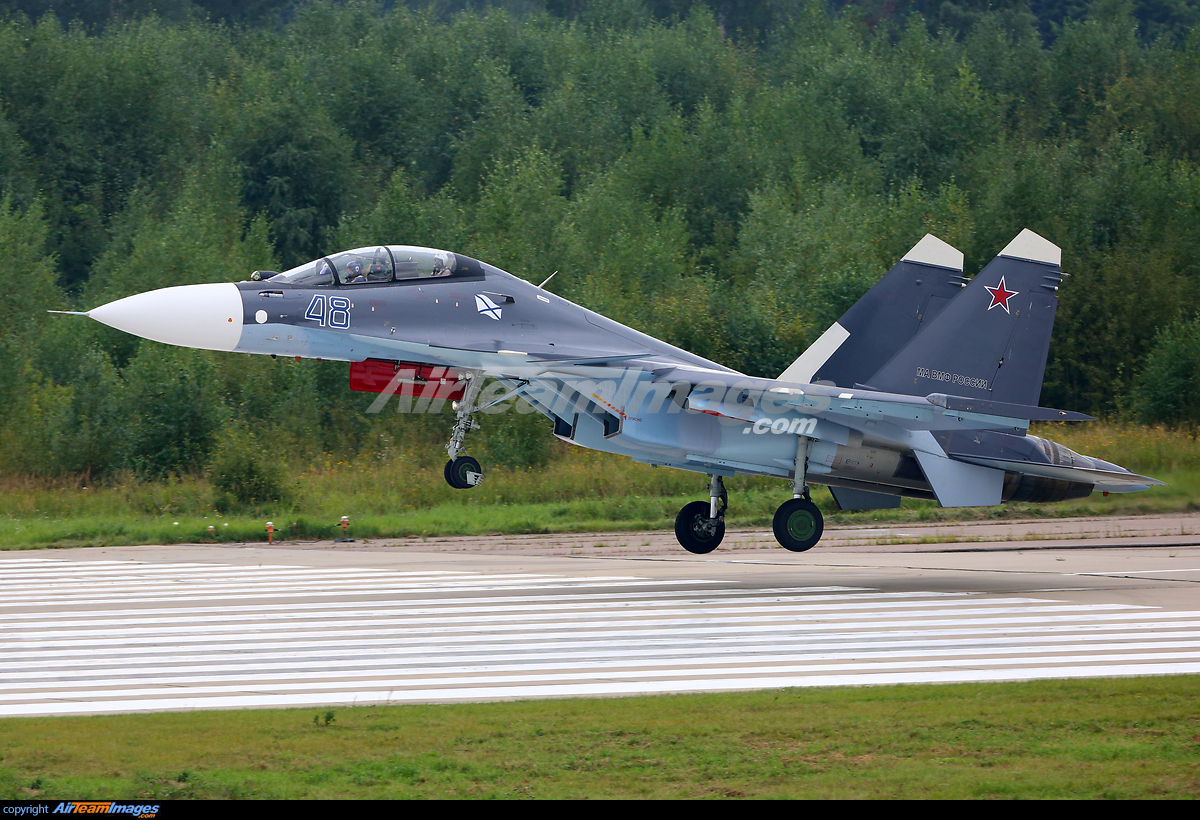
x,y
1179,530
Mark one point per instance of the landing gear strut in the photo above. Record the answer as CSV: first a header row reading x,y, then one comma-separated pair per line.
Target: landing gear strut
x,y
464,472
798,523
700,526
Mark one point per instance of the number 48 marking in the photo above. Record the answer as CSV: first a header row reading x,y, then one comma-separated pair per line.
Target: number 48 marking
x,y
331,310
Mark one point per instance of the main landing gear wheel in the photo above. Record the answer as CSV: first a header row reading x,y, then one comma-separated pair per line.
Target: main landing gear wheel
x,y
463,473
798,524
697,532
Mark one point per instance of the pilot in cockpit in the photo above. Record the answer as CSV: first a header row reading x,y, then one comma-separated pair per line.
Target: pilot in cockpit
x,y
354,273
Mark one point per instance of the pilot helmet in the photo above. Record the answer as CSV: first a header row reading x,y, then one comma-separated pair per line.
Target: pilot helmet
x,y
354,268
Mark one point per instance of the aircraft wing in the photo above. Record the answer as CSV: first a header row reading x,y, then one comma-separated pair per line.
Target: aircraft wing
x,y
852,407
964,445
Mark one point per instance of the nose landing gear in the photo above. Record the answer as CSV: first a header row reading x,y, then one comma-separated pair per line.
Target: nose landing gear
x,y
464,472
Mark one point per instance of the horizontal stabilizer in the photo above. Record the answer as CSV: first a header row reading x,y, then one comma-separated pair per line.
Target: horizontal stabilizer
x,y
1107,480
1006,409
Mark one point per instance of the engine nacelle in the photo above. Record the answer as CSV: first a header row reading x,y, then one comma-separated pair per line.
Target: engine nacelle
x,y
883,470
1018,487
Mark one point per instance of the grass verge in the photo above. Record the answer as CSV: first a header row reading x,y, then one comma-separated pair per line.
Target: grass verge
x,y
1124,738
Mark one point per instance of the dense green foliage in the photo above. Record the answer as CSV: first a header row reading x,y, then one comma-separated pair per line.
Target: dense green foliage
x,y
728,178
1169,388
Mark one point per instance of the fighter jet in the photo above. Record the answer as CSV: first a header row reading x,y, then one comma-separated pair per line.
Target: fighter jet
x,y
925,388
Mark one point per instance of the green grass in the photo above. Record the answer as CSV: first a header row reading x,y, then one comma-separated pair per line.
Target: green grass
x,y
750,507
1128,738
399,493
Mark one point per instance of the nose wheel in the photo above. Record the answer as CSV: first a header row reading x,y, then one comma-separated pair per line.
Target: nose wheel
x,y
463,473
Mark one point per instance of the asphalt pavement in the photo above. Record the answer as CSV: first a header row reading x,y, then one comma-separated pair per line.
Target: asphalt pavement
x,y
154,628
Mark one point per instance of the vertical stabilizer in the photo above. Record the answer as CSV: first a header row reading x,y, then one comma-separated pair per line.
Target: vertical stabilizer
x,y
884,319
991,342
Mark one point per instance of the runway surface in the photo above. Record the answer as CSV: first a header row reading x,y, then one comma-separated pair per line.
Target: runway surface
x,y
110,630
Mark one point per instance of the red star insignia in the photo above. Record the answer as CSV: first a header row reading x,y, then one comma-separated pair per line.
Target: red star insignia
x,y
1000,295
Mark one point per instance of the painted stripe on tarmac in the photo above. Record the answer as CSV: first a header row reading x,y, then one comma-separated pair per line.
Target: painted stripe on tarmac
x,y
527,635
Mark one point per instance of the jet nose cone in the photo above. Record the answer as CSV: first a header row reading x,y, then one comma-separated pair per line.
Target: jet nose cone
x,y
204,316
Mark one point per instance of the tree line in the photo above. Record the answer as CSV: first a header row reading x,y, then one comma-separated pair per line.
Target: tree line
x,y
727,176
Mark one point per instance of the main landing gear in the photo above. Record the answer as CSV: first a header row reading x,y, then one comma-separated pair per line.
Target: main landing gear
x,y
700,526
798,524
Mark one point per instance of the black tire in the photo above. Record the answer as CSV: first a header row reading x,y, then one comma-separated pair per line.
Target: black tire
x,y
457,469
798,525
695,531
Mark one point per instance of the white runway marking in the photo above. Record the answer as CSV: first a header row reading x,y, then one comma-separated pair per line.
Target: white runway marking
x,y
84,637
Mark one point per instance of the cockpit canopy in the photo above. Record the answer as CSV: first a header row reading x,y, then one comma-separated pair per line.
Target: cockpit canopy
x,y
382,263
